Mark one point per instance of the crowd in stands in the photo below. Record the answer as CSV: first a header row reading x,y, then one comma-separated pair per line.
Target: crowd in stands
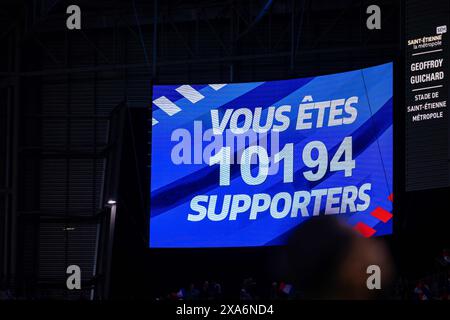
x,y
207,290
434,286
249,291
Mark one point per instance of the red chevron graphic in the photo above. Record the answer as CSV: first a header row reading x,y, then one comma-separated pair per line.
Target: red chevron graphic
x,y
379,213
364,229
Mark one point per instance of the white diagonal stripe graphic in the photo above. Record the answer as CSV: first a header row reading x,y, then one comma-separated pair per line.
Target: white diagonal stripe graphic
x,y
154,121
217,86
190,93
166,105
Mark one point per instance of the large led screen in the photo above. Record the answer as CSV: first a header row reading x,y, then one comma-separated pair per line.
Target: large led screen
x,y
242,164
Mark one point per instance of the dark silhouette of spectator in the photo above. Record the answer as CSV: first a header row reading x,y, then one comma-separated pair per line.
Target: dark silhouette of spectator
x,y
273,294
329,260
5,293
193,293
285,290
249,286
447,282
444,259
216,290
245,295
207,291
422,291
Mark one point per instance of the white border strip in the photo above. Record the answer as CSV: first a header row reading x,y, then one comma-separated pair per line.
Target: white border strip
x,y
166,105
190,93
426,52
434,87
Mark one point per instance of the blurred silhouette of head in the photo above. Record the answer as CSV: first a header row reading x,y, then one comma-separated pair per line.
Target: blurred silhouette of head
x,y
329,260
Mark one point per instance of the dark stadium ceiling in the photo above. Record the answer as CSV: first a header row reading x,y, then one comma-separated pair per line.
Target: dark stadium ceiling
x,y
202,31
100,13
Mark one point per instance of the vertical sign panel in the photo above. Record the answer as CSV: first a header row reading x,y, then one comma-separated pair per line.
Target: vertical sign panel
x,y
427,121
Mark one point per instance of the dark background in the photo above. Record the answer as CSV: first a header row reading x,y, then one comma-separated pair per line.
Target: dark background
x,y
74,132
